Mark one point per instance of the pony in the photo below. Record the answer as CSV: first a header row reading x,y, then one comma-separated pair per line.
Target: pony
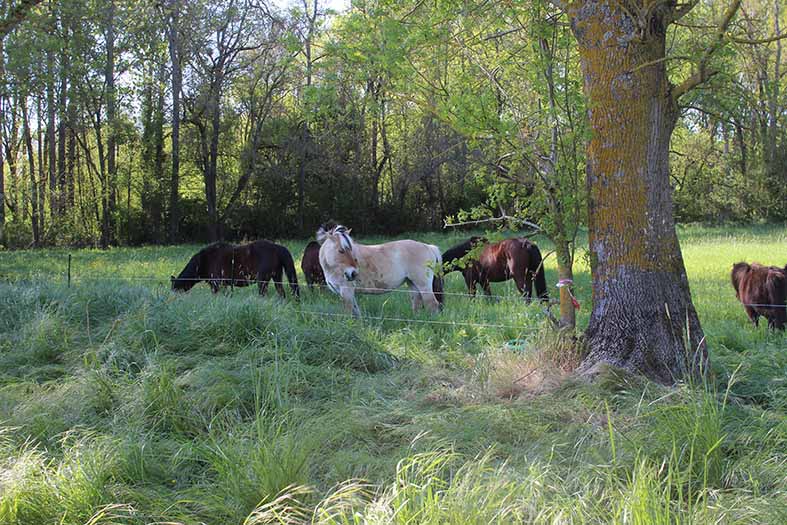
x,y
225,264
763,292
310,264
519,259
351,267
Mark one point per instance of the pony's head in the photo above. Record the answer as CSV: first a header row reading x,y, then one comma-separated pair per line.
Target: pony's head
x,y
738,271
336,250
181,285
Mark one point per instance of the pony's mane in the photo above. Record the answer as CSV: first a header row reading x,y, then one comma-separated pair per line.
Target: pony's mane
x,y
345,241
463,248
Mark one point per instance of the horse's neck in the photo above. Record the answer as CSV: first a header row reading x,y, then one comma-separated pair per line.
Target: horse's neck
x,y
360,250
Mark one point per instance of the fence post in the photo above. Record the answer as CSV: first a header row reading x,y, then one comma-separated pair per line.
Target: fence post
x,y
69,270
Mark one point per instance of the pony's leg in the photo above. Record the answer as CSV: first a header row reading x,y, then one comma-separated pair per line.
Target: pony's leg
x,y
214,286
415,297
277,283
426,296
487,288
347,293
263,286
754,317
470,281
528,285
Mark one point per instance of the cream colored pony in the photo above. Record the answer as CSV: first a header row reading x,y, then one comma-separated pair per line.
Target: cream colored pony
x,y
350,267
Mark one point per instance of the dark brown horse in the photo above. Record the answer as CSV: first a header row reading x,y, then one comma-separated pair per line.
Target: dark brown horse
x,y
763,292
224,264
310,264
517,259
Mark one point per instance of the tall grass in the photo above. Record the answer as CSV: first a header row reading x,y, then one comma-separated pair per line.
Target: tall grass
x,y
121,402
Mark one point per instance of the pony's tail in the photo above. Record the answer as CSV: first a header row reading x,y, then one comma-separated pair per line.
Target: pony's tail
x,y
437,280
289,270
537,262
437,289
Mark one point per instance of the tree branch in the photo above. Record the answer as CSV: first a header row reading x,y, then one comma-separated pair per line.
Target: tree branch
x,y
703,73
16,16
758,41
504,217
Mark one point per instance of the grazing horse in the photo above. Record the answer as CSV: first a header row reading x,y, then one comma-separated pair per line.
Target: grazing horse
x,y
224,264
499,261
763,291
310,264
375,269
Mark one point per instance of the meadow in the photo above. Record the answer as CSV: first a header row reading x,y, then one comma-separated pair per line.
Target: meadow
x,y
124,403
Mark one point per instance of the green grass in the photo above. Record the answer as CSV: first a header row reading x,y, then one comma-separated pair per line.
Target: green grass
x,y
123,403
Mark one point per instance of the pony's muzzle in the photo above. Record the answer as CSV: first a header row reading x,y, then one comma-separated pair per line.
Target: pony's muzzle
x,y
350,274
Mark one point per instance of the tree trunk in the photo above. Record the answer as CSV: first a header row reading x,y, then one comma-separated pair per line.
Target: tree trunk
x,y
62,128
12,195
213,157
643,319
111,152
302,174
2,158
177,82
50,134
41,177
31,166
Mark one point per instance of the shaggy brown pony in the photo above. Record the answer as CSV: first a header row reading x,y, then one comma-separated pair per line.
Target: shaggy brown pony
x,y
762,290
310,264
518,259
224,264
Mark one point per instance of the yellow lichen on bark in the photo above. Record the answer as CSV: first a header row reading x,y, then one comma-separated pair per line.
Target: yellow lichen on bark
x,y
623,98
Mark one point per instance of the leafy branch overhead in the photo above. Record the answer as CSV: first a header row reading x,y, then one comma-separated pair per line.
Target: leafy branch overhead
x,y
16,15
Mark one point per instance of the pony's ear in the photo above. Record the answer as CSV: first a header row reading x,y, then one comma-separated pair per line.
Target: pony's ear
x,y
349,231
321,235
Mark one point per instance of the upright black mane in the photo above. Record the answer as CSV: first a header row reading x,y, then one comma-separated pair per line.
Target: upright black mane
x,y
458,251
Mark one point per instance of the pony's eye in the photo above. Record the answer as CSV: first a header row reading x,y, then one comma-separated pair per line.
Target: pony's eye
x,y
341,250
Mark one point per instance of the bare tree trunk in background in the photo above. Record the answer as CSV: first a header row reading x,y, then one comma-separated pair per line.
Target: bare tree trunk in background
x,y
63,124
50,135
643,318
3,97
13,189
776,173
213,158
71,155
107,230
41,176
311,12
158,157
173,39
31,166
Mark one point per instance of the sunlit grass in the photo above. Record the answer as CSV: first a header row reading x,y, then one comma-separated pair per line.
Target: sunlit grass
x,y
121,402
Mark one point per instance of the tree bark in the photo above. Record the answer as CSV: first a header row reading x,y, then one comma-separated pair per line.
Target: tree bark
x,y
643,319
62,128
173,39
109,189
213,158
26,133
50,134
12,195
2,157
41,177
